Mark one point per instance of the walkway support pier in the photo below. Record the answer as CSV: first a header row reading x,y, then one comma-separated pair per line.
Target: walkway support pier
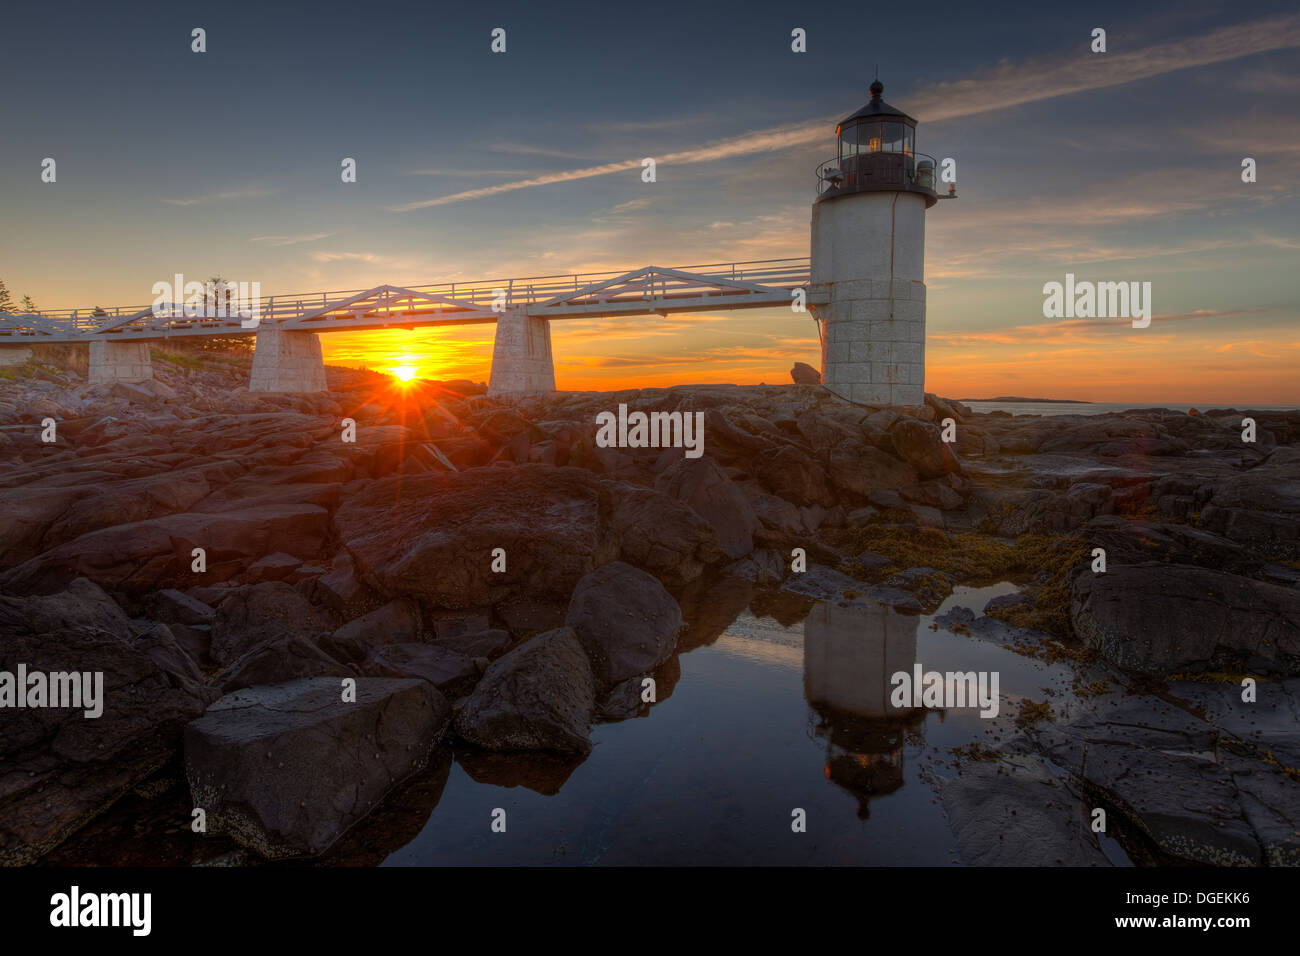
x,y
287,362
521,355
119,361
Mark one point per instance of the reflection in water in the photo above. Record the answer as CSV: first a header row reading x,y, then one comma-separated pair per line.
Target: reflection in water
x,y
850,652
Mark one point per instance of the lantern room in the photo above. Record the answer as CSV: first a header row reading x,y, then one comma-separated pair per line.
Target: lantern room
x,y
877,152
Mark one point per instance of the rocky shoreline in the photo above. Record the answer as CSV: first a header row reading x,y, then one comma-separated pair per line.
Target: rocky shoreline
x,y
483,575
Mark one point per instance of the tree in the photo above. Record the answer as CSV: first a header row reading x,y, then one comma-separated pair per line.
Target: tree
x,y
29,305
6,304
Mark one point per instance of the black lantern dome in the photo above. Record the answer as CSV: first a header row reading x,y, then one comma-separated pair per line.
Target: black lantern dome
x,y
877,153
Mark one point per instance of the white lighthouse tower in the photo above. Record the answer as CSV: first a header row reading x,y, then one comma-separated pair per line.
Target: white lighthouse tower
x,y
868,256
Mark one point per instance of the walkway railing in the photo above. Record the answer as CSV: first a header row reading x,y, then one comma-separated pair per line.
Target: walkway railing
x,y
479,293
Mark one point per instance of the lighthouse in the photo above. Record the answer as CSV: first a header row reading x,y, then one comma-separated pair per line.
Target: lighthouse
x,y
868,257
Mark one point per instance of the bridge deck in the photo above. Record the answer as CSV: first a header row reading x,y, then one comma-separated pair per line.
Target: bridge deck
x,y
763,283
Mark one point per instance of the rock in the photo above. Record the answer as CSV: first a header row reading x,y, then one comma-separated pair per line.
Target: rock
x,y
826,584
278,660
147,555
270,611
804,374
625,620
702,485
794,476
287,770
922,446
1165,618
487,643
1013,811
432,536
861,469
447,669
540,696
397,622
1162,769
62,769
657,534
273,567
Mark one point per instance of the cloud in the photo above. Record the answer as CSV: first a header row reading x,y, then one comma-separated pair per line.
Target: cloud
x,y
632,205
1005,86
291,240
1074,330
346,256
218,197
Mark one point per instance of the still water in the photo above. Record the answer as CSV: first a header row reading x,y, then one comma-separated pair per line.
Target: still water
x,y
764,718
1102,408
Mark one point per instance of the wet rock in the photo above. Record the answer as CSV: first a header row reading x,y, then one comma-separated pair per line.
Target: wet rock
x,y
625,620
1013,811
540,696
826,584
62,769
1161,769
287,770
1163,618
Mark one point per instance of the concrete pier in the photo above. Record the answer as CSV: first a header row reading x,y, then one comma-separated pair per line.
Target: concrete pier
x,y
521,356
124,361
14,355
287,362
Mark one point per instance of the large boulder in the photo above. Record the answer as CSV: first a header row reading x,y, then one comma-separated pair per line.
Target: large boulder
x,y
794,476
432,536
804,374
921,445
860,468
286,770
540,696
706,489
58,767
658,534
626,621
1165,618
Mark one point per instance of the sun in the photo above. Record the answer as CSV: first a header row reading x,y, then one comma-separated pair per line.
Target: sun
x,y
405,373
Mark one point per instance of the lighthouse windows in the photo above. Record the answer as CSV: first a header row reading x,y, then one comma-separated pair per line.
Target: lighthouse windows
x,y
893,137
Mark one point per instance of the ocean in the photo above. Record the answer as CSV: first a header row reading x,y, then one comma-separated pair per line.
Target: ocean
x,y
1101,408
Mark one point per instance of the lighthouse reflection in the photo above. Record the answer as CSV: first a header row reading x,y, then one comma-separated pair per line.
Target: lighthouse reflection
x,y
849,654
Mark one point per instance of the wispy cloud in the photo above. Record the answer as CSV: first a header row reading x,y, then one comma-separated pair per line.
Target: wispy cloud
x,y
291,240
346,257
221,196
1005,86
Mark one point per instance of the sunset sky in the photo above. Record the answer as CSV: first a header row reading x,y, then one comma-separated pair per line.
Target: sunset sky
x,y
1117,166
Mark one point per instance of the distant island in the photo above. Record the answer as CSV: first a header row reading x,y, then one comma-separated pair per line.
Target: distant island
x,y
1017,398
